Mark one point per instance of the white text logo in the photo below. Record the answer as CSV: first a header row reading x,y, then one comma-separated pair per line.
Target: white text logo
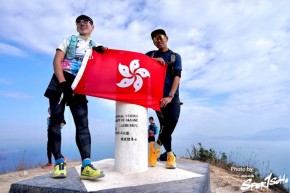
x,y
268,181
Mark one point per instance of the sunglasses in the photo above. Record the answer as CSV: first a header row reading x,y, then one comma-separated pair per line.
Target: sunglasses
x,y
85,21
158,37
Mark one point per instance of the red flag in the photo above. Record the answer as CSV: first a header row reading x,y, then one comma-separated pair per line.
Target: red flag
x,y
120,75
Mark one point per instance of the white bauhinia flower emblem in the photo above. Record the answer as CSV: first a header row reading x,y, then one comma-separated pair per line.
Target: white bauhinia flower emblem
x,y
132,75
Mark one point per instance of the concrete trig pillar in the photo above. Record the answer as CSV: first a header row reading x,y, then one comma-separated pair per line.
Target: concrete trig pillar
x,y
131,138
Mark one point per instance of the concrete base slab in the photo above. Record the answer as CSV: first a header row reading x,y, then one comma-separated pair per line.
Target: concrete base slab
x,y
188,177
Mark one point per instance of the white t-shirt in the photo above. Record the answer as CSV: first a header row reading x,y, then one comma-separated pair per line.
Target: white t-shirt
x,y
83,46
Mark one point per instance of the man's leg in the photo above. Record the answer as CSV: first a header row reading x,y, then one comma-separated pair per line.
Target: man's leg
x,y
48,149
48,153
172,116
79,109
168,118
57,108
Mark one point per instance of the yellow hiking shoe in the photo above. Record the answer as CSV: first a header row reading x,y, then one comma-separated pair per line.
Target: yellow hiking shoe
x,y
153,154
171,162
59,170
90,173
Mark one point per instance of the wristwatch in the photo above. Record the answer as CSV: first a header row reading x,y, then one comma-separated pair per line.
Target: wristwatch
x,y
171,95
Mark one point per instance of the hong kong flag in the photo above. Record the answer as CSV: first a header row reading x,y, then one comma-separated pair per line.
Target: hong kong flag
x,y
120,75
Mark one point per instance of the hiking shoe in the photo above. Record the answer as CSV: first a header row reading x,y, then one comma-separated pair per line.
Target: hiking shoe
x,y
153,154
171,162
59,170
90,173
47,165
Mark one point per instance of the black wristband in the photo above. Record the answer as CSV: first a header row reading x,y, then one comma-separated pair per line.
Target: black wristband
x,y
99,49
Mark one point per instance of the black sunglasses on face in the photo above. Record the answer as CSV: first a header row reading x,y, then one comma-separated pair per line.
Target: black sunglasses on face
x,y
85,21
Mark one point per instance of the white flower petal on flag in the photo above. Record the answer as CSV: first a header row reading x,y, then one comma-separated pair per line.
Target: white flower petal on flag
x,y
138,83
143,72
124,70
125,82
134,64
131,74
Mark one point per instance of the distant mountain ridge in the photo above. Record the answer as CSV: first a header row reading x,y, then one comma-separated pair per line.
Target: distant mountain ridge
x,y
277,134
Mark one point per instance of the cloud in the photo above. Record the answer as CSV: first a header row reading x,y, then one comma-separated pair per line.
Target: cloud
x,y
7,49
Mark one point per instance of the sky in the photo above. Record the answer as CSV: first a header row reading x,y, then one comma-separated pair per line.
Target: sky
x,y
235,60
